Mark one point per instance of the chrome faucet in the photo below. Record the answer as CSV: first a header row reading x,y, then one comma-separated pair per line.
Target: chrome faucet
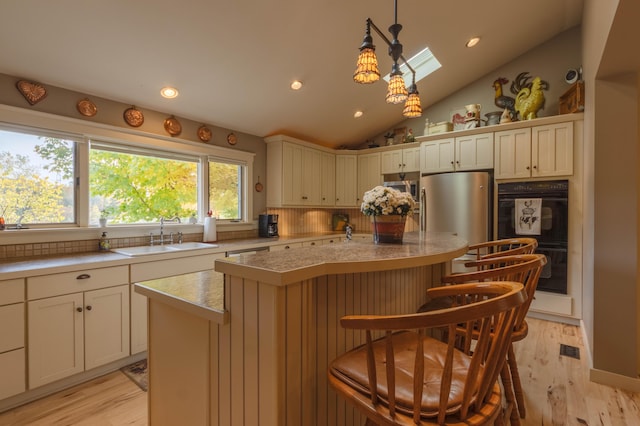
x,y
160,240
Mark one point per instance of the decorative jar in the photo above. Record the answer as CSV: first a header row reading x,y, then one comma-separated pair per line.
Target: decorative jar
x,y
388,229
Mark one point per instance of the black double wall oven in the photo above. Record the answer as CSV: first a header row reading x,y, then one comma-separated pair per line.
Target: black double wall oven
x,y
553,227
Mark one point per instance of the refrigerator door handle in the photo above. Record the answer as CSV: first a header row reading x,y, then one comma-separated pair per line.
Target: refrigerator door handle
x,y
423,209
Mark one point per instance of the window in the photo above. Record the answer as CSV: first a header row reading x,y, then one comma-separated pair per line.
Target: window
x,y
129,185
72,173
225,190
37,175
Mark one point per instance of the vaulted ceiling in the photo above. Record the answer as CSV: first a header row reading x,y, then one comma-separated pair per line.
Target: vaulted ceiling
x,y
233,61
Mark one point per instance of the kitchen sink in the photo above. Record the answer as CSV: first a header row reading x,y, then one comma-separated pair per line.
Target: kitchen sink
x,y
192,246
148,250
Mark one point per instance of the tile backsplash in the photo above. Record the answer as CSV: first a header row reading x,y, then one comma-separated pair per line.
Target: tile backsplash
x,y
291,222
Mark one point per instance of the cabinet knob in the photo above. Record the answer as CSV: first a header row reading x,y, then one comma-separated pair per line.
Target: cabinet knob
x,y
83,277
528,168
452,163
287,247
304,198
79,309
399,166
535,167
88,308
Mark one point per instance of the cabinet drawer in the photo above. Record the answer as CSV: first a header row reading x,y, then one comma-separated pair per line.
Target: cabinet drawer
x,y
72,282
166,268
12,371
11,291
11,327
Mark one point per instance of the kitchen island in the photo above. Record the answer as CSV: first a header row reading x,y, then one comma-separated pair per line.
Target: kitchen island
x,y
260,355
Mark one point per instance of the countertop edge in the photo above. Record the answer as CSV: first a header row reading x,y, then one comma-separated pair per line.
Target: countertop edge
x,y
214,315
322,267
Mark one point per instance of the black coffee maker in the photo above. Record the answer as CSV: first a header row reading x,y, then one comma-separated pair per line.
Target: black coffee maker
x,y
268,225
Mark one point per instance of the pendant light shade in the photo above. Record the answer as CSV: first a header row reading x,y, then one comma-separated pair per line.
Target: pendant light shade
x,y
396,92
367,71
412,107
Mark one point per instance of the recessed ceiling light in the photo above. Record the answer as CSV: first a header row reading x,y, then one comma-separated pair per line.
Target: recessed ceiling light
x,y
473,41
169,92
358,114
296,85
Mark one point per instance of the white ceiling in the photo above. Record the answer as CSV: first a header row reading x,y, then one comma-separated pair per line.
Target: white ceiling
x,y
233,61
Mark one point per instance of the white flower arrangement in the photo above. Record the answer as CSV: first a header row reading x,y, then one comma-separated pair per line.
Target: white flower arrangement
x,y
383,200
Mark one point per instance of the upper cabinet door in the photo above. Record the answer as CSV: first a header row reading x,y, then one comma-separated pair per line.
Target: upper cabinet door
x,y
328,181
512,154
552,150
474,152
346,180
391,161
437,156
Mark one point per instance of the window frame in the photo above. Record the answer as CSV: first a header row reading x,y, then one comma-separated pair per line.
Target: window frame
x,y
83,133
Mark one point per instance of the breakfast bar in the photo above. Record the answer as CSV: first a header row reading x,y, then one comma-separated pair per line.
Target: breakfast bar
x,y
259,356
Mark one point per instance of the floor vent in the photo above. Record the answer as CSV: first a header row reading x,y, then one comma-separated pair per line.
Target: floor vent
x,y
570,351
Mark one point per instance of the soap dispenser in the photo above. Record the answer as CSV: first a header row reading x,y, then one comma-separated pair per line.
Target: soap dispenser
x,y
104,244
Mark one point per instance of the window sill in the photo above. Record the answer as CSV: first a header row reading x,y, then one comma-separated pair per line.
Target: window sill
x,y
37,235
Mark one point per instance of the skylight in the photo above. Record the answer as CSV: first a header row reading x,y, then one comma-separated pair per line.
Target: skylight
x,y
424,63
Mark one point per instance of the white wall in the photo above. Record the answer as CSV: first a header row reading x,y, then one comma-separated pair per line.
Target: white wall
x,y
613,139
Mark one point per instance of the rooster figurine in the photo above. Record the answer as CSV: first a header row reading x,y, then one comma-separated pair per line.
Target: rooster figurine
x,y
503,101
529,95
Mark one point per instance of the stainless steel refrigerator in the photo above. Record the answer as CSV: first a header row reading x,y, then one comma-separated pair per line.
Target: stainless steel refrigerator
x,y
459,203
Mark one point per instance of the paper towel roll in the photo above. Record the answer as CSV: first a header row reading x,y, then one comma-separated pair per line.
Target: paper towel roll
x,y
209,230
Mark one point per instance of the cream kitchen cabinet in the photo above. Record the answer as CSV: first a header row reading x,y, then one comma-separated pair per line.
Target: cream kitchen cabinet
x,y
346,180
153,270
328,181
538,151
472,152
76,321
293,173
369,174
403,160
12,332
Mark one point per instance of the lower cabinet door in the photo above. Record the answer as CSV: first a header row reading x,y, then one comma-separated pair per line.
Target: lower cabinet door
x,y
12,372
56,338
106,325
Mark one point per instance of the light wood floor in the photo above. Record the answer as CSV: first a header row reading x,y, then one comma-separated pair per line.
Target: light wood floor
x,y
557,391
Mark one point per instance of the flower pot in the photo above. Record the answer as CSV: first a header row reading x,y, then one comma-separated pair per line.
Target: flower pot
x,y
388,228
103,222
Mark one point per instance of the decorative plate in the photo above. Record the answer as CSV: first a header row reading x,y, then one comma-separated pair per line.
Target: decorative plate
x,y
172,126
133,117
32,92
204,133
87,108
232,138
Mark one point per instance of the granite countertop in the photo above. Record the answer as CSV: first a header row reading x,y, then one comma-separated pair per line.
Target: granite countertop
x,y
282,268
44,265
201,293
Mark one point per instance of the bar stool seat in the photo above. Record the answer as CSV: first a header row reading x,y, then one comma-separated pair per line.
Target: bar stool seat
x,y
407,377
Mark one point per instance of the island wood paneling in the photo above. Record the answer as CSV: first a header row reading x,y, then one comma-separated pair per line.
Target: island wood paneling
x,y
269,362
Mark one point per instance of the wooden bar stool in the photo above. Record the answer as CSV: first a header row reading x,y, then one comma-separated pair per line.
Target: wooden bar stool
x,y
503,247
402,376
525,269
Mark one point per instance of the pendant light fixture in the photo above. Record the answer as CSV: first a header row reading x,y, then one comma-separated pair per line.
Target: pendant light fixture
x,y
367,71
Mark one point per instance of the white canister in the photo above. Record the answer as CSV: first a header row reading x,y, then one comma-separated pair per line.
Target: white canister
x,y
209,235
